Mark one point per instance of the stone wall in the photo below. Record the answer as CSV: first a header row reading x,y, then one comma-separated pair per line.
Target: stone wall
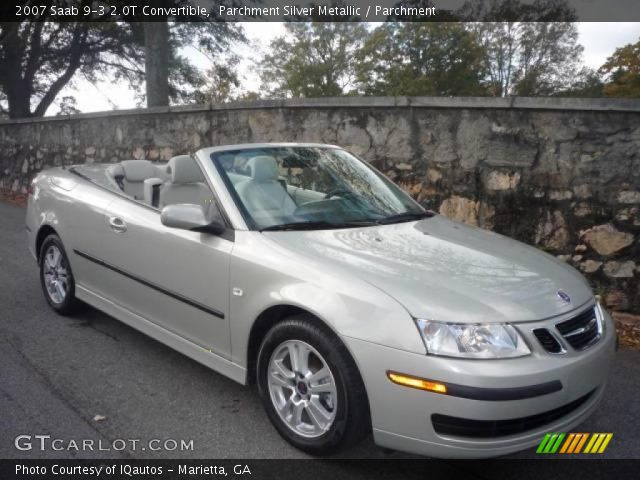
x,y
563,174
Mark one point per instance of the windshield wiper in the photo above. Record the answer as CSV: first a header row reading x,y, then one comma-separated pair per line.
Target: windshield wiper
x,y
405,217
316,225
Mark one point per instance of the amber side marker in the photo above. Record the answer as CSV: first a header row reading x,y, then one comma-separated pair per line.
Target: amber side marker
x,y
416,382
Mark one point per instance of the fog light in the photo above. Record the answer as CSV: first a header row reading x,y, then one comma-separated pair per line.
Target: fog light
x,y
415,382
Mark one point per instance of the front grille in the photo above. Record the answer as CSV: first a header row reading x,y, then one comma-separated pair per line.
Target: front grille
x,y
464,427
547,340
580,331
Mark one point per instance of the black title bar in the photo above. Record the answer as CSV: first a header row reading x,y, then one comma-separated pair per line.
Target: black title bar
x,y
370,469
319,10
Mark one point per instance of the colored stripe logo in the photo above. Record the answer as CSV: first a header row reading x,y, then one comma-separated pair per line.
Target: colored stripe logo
x,y
574,443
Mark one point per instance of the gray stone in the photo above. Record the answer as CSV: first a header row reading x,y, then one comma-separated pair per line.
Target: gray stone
x,y
558,195
467,210
471,140
590,266
606,239
627,214
404,166
615,269
582,210
629,197
497,180
510,154
583,191
138,153
434,175
552,231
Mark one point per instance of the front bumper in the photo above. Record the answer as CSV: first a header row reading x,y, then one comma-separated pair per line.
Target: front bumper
x,y
401,416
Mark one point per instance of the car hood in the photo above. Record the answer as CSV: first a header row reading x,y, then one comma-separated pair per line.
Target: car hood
x,y
443,270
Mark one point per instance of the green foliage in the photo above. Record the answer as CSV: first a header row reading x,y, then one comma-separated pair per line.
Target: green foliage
x,y
214,40
222,83
313,60
68,106
534,53
623,69
421,59
587,84
38,59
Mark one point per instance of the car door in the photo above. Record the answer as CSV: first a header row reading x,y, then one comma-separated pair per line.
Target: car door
x,y
84,232
177,279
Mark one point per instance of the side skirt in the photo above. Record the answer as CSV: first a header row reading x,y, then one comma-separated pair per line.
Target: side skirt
x,y
178,343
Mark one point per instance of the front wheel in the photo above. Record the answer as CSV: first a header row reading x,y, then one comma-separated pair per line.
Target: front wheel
x,y
311,388
56,276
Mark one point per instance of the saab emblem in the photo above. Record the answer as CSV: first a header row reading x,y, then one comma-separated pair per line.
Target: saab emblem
x,y
562,295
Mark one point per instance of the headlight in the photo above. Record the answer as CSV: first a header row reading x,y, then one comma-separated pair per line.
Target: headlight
x,y
490,340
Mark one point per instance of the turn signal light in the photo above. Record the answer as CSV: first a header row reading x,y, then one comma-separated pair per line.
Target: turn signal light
x,y
415,382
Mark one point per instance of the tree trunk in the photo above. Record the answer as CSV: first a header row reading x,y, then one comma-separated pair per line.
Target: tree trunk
x,y
156,42
15,88
18,100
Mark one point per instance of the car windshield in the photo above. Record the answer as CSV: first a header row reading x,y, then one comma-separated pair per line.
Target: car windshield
x,y
302,187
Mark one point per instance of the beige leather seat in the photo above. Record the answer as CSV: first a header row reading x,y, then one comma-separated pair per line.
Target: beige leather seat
x,y
187,184
135,173
263,195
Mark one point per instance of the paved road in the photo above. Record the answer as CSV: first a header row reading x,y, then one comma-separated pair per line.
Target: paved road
x,y
57,373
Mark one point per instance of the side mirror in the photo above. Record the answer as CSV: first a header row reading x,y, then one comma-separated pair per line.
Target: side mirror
x,y
187,216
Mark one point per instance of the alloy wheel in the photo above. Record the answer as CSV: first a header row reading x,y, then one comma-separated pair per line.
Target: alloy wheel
x,y
302,388
55,274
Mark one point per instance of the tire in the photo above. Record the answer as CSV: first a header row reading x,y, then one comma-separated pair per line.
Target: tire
x,y
335,409
55,269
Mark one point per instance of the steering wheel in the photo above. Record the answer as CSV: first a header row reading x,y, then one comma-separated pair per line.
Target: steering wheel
x,y
340,191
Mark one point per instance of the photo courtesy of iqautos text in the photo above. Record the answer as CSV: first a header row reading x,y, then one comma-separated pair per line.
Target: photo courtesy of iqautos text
x,y
334,239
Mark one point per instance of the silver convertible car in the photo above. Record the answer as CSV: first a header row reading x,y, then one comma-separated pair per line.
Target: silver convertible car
x,y
301,269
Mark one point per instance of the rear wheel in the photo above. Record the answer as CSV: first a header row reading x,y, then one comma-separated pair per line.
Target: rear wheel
x,y
311,388
56,276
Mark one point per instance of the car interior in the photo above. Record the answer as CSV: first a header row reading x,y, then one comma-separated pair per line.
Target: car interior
x,y
263,190
158,185
260,181
268,197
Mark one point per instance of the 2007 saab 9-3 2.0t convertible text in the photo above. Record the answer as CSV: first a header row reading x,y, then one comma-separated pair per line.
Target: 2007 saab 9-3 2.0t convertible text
x,y
302,269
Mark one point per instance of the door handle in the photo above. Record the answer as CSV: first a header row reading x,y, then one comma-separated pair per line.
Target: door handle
x,y
117,224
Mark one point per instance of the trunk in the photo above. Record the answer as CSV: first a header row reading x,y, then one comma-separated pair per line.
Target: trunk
x,y
156,41
16,89
19,102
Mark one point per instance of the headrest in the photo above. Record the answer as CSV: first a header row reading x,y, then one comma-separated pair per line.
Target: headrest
x,y
137,170
115,170
162,171
183,169
263,168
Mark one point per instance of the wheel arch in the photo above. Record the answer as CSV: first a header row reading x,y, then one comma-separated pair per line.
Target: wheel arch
x,y
266,320
43,232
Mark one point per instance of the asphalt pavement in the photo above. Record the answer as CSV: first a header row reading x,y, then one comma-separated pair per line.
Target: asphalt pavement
x,y
57,374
